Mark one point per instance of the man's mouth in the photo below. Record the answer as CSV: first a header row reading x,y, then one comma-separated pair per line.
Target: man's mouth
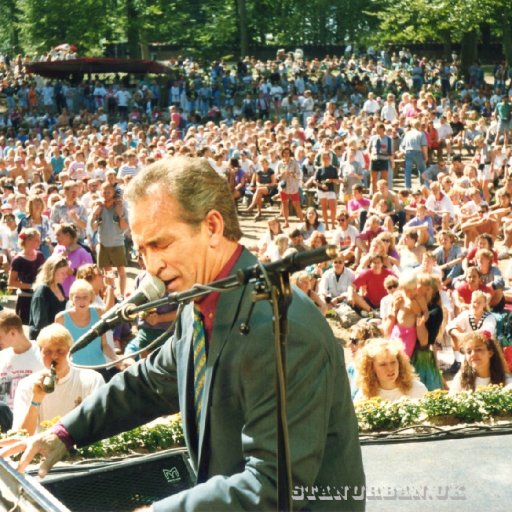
x,y
169,282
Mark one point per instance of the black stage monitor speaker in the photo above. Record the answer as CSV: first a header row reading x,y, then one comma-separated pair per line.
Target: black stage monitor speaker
x,y
121,484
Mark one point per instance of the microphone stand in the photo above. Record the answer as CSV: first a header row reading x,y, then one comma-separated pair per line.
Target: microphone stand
x,y
280,296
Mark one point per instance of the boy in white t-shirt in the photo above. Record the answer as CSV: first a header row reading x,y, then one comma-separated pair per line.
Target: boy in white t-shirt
x,y
33,404
19,357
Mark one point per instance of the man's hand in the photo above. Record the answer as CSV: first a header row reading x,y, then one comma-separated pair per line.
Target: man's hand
x,y
46,444
73,214
397,302
38,392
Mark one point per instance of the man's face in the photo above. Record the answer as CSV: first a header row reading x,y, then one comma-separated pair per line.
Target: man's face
x,y
376,265
71,193
55,351
177,253
7,337
92,186
483,262
339,265
446,241
107,192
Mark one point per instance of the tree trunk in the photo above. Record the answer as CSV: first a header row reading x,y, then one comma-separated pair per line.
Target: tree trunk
x,y
12,28
132,30
242,27
340,26
506,27
485,31
447,44
468,51
144,47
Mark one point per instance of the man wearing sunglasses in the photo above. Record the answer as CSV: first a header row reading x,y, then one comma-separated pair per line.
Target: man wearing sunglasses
x,y
335,283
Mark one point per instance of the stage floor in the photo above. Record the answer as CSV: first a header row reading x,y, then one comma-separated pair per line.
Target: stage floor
x,y
469,474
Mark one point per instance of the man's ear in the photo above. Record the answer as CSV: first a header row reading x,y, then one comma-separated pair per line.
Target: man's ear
x,y
215,226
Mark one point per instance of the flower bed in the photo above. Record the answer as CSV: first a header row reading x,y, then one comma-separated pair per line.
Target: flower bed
x,y
161,435
489,403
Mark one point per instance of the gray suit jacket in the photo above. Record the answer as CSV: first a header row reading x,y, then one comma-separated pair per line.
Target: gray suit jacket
x,y
234,450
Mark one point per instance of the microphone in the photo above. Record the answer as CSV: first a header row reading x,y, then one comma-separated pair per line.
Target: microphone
x,y
49,382
292,263
150,288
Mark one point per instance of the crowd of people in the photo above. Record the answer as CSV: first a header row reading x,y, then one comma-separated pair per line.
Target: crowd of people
x,y
316,149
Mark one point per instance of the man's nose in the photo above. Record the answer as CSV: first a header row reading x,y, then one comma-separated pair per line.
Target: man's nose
x,y
154,262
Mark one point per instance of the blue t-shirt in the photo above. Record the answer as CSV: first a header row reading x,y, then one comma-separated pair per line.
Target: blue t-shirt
x,y
57,163
92,354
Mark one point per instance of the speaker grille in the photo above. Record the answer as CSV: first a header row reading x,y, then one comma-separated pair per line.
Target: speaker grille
x,y
121,485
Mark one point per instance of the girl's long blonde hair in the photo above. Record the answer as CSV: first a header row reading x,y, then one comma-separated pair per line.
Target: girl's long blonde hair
x,y
367,380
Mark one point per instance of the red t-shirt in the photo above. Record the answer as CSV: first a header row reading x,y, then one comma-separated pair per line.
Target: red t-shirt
x,y
471,255
374,284
465,291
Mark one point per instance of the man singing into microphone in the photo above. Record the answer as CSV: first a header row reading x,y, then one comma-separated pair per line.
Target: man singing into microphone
x,y
184,224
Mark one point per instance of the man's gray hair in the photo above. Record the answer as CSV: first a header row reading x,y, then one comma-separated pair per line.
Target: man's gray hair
x,y
194,184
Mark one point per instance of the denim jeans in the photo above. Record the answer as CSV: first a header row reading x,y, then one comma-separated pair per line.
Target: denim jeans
x,y
413,158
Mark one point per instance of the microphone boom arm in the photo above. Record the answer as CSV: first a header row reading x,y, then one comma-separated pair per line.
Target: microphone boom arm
x,y
290,264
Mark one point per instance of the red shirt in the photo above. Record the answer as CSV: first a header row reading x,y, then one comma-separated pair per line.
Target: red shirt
x,y
466,293
208,304
368,234
374,283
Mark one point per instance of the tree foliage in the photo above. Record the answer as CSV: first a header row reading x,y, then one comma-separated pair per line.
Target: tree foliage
x,y
238,25
46,23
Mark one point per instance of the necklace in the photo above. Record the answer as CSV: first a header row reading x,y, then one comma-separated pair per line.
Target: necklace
x,y
475,325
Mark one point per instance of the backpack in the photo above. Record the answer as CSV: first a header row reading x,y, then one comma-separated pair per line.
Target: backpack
x,y
346,316
504,328
504,335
